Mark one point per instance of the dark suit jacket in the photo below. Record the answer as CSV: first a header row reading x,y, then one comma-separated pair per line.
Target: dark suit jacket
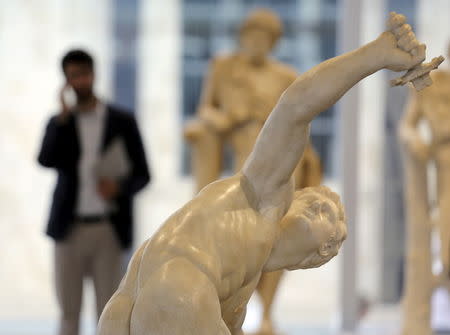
x,y
61,150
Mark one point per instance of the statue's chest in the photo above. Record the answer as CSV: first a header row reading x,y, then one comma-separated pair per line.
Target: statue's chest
x,y
436,102
436,106
257,86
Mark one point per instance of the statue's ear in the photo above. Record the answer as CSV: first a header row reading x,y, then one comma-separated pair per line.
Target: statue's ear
x,y
324,250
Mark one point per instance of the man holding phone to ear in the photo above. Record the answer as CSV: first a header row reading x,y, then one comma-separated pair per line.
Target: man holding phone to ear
x,y
91,216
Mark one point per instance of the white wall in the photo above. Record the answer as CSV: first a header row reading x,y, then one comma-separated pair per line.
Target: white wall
x,y
371,165
34,35
433,26
159,87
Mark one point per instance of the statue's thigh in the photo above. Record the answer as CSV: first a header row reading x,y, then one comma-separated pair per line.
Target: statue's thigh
x,y
178,300
443,183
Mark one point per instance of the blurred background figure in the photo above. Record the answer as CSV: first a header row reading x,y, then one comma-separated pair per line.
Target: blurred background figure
x,y
427,205
91,214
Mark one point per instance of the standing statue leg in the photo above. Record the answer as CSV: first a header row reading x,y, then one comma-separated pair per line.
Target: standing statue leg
x,y
418,282
267,289
443,169
308,172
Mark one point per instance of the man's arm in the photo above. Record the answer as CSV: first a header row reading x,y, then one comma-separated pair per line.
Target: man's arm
x,y
54,151
282,141
140,173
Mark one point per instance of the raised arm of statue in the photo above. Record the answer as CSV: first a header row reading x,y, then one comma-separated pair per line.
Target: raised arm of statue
x,y
282,141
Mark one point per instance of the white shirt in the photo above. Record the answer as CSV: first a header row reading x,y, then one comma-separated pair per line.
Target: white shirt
x,y
90,126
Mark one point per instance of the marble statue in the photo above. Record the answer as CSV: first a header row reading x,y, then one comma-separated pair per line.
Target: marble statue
x,y
195,275
239,92
432,106
238,95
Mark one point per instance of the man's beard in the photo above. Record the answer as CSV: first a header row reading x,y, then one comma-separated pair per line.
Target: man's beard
x,y
84,96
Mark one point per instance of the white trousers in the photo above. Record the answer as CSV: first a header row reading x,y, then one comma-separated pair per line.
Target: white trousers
x,y
90,250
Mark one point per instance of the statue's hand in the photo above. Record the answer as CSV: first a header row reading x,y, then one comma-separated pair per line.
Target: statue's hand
x,y
216,119
193,129
399,47
419,149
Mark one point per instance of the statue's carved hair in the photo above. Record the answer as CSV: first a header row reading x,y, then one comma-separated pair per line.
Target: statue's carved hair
x,y
312,195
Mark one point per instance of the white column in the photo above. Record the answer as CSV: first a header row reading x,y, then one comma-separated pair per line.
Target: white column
x,y
433,26
34,35
159,112
349,39
370,160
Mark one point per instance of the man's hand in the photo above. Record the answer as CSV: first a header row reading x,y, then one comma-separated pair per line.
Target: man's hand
x,y
399,46
65,110
108,189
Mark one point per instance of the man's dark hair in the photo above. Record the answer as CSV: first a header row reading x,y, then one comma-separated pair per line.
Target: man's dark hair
x,y
77,56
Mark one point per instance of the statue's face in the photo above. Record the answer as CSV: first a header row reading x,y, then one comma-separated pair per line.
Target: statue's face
x,y
329,237
318,229
256,43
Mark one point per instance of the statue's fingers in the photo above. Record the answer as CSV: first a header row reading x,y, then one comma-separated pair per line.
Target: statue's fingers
x,y
402,30
395,20
405,40
419,53
411,45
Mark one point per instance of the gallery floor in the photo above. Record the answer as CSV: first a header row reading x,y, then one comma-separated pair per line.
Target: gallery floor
x,y
381,321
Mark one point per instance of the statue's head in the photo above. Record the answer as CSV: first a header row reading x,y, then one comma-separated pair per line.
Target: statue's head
x,y
311,232
259,33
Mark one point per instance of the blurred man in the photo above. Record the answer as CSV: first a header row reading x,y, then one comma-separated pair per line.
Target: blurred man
x,y
91,215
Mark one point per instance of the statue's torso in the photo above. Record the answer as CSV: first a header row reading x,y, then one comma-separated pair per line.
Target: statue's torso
x,y
435,103
248,92
222,234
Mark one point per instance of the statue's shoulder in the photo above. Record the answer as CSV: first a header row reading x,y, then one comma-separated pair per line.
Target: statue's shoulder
x,y
232,193
439,89
224,61
285,70
440,76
